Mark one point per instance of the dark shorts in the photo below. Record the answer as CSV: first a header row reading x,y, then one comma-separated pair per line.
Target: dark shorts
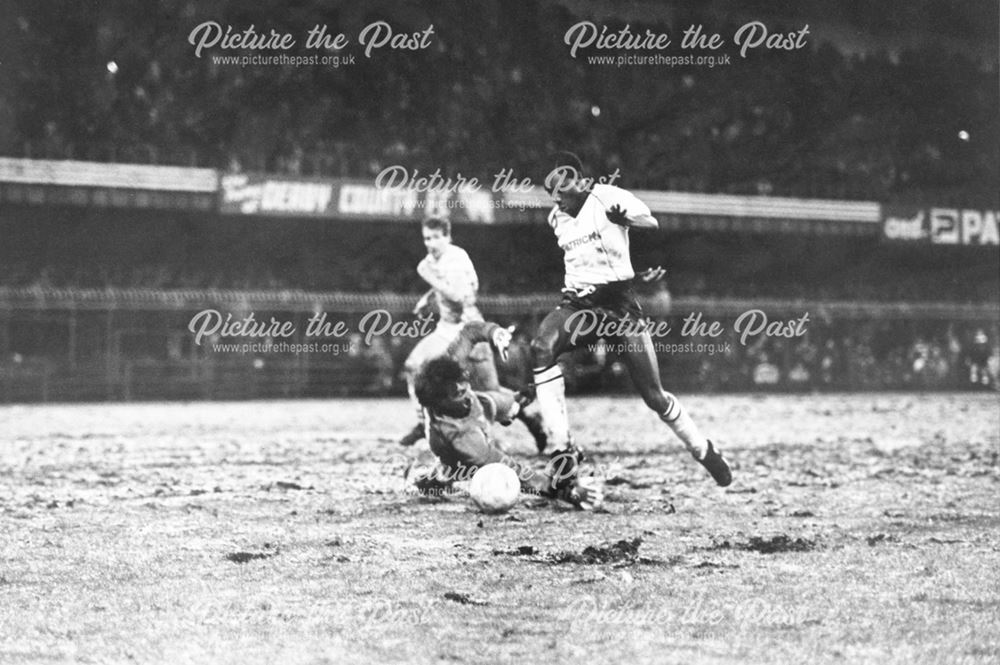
x,y
615,301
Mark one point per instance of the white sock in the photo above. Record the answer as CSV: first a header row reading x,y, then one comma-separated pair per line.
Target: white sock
x,y
676,416
550,391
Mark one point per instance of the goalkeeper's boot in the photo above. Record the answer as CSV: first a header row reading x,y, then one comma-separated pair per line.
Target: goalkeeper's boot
x,y
413,435
717,466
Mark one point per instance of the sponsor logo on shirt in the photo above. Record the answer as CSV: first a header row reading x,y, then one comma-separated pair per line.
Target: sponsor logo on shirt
x,y
594,236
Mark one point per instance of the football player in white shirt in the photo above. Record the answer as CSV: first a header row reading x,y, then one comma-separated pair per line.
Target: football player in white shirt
x,y
454,284
591,223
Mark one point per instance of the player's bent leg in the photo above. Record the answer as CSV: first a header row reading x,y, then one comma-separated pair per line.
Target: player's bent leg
x,y
421,353
535,423
410,368
433,346
644,370
548,342
550,387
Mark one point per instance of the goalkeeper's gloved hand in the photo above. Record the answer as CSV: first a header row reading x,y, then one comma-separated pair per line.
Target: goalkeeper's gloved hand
x,y
585,493
501,339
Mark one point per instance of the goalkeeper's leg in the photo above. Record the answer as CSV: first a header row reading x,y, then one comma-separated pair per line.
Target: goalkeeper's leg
x,y
433,346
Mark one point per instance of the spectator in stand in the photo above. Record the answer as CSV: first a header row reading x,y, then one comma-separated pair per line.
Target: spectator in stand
x,y
977,361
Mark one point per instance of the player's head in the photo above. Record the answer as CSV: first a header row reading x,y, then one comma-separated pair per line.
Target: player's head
x,y
442,385
437,235
565,182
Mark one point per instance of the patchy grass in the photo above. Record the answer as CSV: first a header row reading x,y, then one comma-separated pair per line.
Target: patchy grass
x,y
860,528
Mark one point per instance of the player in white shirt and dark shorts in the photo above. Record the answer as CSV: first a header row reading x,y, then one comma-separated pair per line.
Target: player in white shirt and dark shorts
x,y
591,224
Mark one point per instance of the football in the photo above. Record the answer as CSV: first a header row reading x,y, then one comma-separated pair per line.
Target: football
x,y
495,488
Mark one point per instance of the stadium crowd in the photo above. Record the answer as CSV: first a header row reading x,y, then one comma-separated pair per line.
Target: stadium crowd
x,y
833,355
859,355
823,122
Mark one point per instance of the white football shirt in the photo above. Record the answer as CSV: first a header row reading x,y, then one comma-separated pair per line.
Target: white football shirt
x,y
455,268
596,251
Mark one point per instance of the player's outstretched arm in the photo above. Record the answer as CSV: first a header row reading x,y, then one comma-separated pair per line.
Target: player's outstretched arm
x,y
585,493
618,215
499,406
472,333
643,221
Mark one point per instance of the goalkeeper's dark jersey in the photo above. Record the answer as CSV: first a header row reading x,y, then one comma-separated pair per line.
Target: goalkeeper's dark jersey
x,y
467,441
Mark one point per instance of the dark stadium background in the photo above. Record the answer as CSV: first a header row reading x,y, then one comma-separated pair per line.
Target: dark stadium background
x,y
891,103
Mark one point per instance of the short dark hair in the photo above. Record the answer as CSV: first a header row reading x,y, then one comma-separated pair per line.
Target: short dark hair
x,y
566,165
567,158
438,224
435,379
